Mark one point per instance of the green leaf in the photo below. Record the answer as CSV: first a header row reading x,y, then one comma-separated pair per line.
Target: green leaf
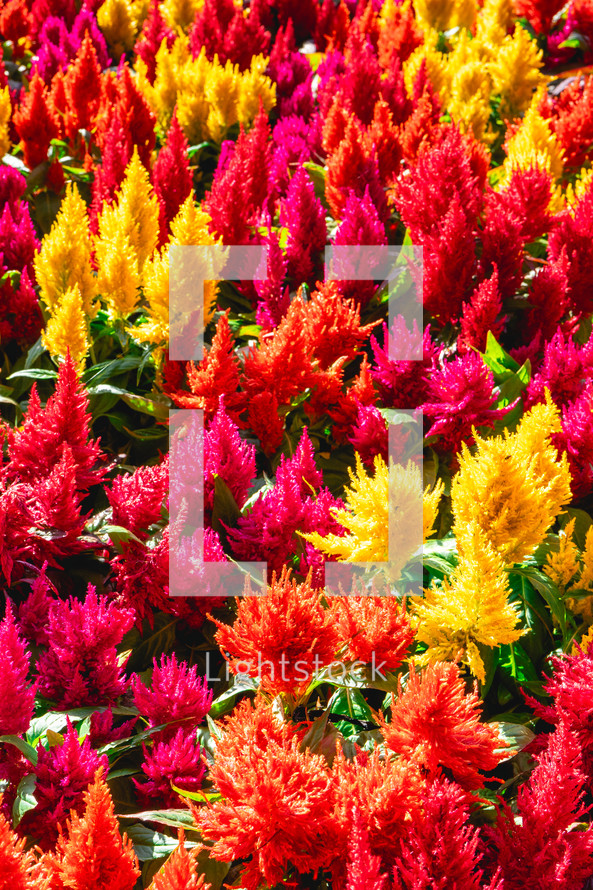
x,y
25,748
226,701
118,535
516,663
317,175
172,818
158,410
547,590
25,798
349,703
496,358
149,844
35,374
516,736
225,510
583,523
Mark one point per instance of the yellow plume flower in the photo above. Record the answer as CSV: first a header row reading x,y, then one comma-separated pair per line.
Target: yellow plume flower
x,y
155,282
135,213
515,71
255,87
469,104
117,22
514,486
67,328
190,226
583,606
562,567
180,14
5,112
430,508
118,277
441,15
65,256
574,192
366,517
583,643
469,609
493,23
534,144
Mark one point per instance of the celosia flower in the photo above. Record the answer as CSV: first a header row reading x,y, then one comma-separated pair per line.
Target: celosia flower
x,y
376,629
481,314
304,217
62,775
228,457
360,225
386,792
442,848
174,761
102,730
460,397
366,518
241,190
576,440
364,869
36,123
228,34
81,666
543,846
369,434
137,499
93,855
65,256
171,176
572,234
277,800
16,864
179,871
176,694
566,371
33,613
572,121
281,637
469,609
154,31
402,384
513,487
17,699
436,724
66,331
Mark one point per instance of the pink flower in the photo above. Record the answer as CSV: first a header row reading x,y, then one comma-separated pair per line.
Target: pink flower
x,y
81,666
173,762
177,694
62,775
17,698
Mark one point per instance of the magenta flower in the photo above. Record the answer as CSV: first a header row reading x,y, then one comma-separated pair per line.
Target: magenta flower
x,y
17,697
173,762
81,666
62,775
461,396
176,694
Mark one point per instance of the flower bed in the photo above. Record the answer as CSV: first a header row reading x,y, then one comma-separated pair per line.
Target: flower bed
x,y
381,735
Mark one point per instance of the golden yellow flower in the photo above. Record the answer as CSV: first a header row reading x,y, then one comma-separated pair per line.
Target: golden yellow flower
x,y
469,609
155,282
493,22
562,567
65,256
430,508
442,15
5,112
469,105
371,537
514,486
436,67
118,277
534,144
117,21
515,72
67,328
584,606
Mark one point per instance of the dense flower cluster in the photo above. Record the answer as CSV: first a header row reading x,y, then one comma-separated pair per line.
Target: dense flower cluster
x,y
403,698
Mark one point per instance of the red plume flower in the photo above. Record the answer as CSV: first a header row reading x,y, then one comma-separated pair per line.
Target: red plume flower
x,y
436,724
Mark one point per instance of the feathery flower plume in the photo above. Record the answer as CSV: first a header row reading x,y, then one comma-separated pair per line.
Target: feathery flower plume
x,y
281,637
375,628
469,609
513,487
179,871
62,775
436,724
173,761
176,694
92,855
17,699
